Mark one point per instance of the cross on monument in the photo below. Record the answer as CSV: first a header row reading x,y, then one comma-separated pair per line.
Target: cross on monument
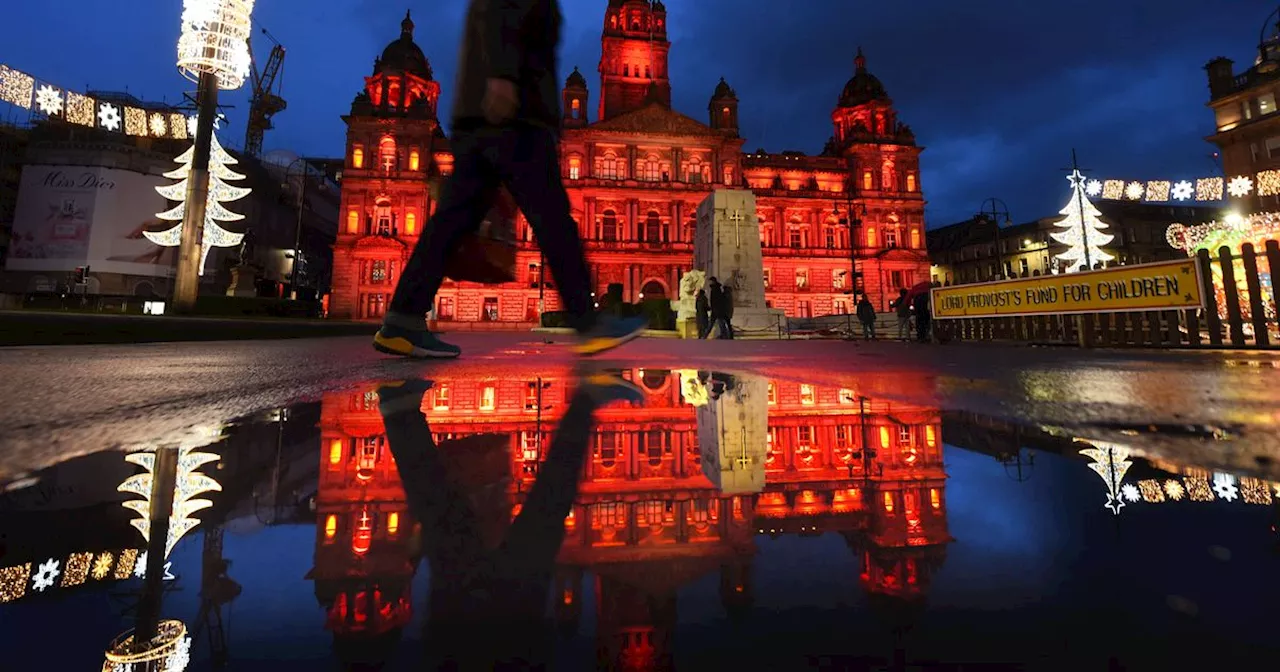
x,y
737,220
364,519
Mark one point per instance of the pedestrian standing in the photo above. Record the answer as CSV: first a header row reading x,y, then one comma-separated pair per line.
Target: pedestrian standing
x,y
506,116
721,299
924,317
903,307
867,316
702,313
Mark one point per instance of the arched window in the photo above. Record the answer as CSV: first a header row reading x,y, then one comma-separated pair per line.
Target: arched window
x,y
915,239
653,229
866,180
872,241
911,181
888,178
649,168
696,172
357,156
608,226
575,107
892,232
609,166
613,21
575,167
353,221
728,173
382,217
387,154
413,159
410,224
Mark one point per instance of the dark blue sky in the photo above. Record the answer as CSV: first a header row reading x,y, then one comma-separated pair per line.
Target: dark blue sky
x,y
999,91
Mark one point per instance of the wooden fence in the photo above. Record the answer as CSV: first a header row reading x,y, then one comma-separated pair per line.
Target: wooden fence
x,y
1249,322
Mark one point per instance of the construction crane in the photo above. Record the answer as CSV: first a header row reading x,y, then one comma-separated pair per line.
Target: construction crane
x,y
266,100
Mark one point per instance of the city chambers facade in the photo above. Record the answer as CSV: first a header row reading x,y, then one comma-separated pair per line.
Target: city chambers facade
x,y
635,176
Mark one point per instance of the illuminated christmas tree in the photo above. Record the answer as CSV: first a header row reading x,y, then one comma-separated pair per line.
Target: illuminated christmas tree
x,y
219,192
1082,230
1111,462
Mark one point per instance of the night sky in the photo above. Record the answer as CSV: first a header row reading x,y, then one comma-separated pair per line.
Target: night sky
x,y
999,91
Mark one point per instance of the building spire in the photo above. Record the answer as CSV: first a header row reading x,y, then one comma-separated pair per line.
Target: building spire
x,y
860,61
406,26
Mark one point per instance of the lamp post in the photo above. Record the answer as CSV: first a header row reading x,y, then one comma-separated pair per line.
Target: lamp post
x,y
297,232
213,51
853,220
992,210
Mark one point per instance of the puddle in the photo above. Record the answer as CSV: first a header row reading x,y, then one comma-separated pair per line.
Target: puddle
x,y
726,521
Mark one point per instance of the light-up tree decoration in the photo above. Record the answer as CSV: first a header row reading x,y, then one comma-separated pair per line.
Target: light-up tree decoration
x,y
1082,229
1111,462
213,235
190,483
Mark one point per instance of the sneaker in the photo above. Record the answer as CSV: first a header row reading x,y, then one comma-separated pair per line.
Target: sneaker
x,y
399,396
412,343
609,333
605,388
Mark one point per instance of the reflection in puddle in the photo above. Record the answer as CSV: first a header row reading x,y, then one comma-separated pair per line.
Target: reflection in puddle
x,y
683,508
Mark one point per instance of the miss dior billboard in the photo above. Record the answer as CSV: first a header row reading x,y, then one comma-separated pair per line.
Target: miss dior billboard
x,y
69,216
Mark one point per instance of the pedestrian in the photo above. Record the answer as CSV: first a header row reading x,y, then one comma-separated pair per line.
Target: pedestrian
x,y
506,116
903,306
721,299
923,317
702,313
867,316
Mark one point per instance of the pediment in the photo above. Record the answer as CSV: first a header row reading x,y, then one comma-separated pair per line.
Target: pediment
x,y
654,118
370,243
899,254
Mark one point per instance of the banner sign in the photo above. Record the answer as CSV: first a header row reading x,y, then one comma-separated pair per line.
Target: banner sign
x,y
1166,285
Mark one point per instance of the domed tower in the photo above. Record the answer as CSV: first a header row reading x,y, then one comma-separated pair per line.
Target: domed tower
x,y
575,100
723,108
392,133
633,57
864,112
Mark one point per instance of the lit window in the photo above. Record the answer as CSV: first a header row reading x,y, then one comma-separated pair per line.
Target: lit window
x,y
935,498
802,278
837,278
335,452
915,239
871,236
767,277
1267,103
930,437
773,392
393,523
866,180
888,502
904,434
387,154
378,273
330,527
807,396
413,159
846,396
489,313
441,392
487,398
357,156
575,166
911,181
353,221
410,224
576,107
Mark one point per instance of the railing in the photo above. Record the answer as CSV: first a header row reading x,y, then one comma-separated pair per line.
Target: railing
x,y
1243,315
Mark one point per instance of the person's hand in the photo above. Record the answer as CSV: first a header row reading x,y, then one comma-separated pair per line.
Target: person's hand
x,y
500,100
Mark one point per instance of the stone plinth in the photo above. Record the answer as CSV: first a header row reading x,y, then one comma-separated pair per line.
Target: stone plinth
x,y
244,281
726,246
733,432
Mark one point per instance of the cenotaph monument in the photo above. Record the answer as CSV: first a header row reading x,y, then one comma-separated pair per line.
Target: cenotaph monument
x,y
726,246
733,432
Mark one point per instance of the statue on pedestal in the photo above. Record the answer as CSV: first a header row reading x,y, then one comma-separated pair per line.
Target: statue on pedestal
x,y
244,277
685,307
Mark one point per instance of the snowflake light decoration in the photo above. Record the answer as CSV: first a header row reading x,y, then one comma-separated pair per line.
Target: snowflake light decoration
x,y
1174,490
1134,191
1239,186
1183,190
1093,188
140,568
1224,485
122,667
45,576
102,565
180,658
156,123
1130,492
48,100
109,116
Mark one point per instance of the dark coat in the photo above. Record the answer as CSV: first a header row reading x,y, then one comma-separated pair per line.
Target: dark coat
x,y
721,302
866,312
515,40
922,306
702,306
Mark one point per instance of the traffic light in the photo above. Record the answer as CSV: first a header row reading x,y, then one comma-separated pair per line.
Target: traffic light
x,y
82,275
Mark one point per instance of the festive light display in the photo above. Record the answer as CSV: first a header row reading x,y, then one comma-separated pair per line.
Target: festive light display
x,y
1174,490
1093,188
49,100
1204,189
214,40
1151,491
1209,189
156,122
108,116
219,193
1240,186
1113,190
16,88
1233,232
79,109
1158,190
190,482
169,651
1224,485
13,582
1182,191
1134,191
1082,229
1255,491
1111,462
135,121
76,569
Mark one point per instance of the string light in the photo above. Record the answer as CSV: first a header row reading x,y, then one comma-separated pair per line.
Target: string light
x,y
16,88
1151,491
13,582
178,126
213,235
164,653
76,570
135,121
1072,233
1198,489
1158,190
1209,189
124,564
214,40
79,109
1113,190
1232,231
1269,183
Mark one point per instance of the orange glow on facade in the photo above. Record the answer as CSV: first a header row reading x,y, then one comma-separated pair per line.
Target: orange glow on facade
x,y
635,176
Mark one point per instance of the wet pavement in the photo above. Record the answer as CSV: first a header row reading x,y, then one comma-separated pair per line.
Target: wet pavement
x,y
802,505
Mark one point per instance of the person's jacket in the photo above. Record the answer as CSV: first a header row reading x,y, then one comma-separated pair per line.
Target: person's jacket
x,y
702,305
903,306
866,312
515,40
922,305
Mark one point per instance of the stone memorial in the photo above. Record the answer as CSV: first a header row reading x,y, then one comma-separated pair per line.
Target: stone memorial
x,y
733,432
726,246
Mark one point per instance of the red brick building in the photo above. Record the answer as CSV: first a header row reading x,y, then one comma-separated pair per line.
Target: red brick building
x,y
646,520
635,175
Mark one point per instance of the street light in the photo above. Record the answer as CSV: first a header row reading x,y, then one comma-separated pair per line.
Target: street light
x,y
297,233
992,210
853,220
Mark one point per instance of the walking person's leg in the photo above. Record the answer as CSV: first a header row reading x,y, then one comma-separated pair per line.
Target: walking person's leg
x,y
464,200
530,167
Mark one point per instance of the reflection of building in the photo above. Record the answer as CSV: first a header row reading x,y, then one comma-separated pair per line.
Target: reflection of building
x,y
966,252
647,520
636,175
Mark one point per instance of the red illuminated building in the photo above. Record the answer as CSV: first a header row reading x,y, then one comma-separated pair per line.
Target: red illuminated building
x,y
646,520
636,174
